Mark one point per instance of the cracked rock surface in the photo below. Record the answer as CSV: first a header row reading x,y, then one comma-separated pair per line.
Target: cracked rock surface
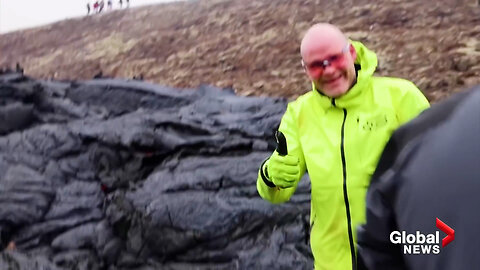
x,y
120,174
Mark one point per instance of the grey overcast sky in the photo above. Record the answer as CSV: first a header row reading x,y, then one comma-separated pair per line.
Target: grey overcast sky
x,y
20,14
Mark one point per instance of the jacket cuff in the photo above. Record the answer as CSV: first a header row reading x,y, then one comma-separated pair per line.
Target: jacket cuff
x,y
264,174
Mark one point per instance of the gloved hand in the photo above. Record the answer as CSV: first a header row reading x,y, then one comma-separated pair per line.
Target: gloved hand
x,y
283,171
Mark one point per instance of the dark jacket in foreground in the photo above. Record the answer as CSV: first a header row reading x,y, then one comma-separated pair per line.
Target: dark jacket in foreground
x,y
429,169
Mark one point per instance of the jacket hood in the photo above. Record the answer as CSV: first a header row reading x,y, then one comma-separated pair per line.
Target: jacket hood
x,y
366,58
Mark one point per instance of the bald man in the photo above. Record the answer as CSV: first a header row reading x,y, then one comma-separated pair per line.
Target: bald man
x,y
337,132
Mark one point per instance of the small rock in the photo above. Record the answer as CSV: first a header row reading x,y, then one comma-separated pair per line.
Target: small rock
x,y
477,47
258,85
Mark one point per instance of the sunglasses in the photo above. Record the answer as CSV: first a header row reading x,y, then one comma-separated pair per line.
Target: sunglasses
x,y
319,66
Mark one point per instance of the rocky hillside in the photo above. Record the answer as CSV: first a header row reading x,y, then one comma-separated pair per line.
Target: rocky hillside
x,y
253,45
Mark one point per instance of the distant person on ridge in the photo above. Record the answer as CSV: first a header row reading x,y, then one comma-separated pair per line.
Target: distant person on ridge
x,y
109,4
95,6
18,68
88,8
102,4
120,2
336,132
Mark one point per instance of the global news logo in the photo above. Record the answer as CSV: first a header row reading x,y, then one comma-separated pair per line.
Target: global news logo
x,y
419,243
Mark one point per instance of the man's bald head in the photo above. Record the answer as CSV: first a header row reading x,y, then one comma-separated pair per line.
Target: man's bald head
x,y
321,35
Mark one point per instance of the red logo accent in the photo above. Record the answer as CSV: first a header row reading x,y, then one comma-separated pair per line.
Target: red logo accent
x,y
446,229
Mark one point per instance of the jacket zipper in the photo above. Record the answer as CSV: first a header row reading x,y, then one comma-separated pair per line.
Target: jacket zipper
x,y
345,195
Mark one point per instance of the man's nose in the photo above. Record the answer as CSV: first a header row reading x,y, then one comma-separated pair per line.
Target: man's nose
x,y
329,69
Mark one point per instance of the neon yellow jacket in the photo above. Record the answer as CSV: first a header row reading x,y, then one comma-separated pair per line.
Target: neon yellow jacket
x,y
339,142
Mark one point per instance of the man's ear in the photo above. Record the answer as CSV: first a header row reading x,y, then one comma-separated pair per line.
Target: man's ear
x,y
353,52
304,67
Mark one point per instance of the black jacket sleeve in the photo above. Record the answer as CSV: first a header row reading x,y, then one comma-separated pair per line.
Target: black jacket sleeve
x,y
375,251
